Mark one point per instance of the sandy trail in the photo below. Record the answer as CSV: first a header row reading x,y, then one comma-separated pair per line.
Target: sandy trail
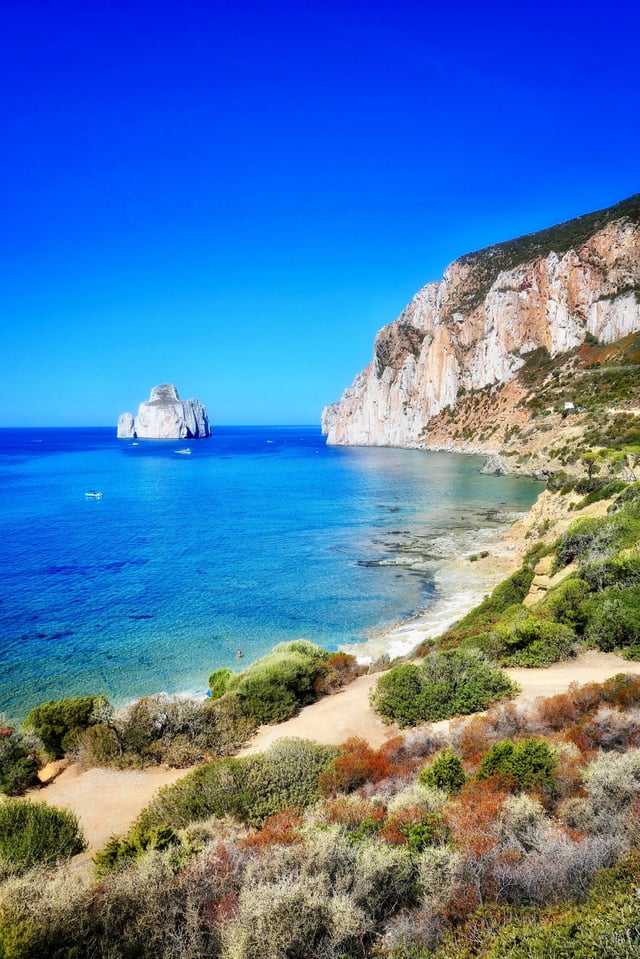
x,y
107,801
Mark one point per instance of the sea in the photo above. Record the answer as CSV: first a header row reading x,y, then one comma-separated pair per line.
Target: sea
x,y
257,536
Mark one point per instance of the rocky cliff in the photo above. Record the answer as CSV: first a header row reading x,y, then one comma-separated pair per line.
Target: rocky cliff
x,y
476,327
165,416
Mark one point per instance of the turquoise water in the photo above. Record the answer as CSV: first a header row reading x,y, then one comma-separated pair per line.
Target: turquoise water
x,y
260,535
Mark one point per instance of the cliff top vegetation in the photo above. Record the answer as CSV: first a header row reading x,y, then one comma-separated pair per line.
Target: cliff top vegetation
x,y
489,262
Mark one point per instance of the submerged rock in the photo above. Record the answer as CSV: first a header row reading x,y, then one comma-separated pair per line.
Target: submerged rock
x,y
164,416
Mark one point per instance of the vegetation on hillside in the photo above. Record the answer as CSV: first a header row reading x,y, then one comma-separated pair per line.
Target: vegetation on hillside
x,y
602,382
514,834
176,731
488,263
595,606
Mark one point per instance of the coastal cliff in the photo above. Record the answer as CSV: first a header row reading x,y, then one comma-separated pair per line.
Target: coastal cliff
x,y
165,416
477,328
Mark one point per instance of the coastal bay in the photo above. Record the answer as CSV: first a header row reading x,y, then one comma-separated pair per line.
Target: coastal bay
x,y
260,536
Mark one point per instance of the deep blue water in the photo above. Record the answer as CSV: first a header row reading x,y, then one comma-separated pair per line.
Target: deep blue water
x,y
261,535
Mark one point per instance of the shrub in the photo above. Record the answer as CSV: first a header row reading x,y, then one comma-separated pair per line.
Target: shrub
x,y
528,640
42,914
356,764
522,823
530,763
122,852
275,687
221,682
614,620
608,924
509,593
251,788
326,899
18,765
566,603
415,829
445,772
338,670
174,730
34,833
449,683
622,571
56,720
612,782
585,537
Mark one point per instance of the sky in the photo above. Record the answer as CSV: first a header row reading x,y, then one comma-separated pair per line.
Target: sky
x,y
235,196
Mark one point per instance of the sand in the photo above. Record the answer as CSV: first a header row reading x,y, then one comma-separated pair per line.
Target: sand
x,y
106,801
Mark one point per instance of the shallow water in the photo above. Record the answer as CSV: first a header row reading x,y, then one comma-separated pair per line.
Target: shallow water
x,y
260,535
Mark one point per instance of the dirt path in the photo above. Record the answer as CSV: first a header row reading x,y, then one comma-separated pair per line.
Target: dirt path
x,y
107,801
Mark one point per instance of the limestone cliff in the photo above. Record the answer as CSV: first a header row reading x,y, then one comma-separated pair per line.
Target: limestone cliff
x,y
475,328
165,416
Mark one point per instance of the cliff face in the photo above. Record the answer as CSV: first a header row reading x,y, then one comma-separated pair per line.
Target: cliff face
x,y
491,309
165,416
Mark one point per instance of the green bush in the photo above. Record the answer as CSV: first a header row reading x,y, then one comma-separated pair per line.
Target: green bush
x,y
566,603
607,490
251,788
528,640
277,685
531,763
33,833
614,620
509,593
18,766
445,772
586,536
119,853
221,682
450,683
621,570
56,720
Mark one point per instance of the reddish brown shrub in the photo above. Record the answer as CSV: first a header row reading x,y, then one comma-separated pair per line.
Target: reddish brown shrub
x,y
281,829
471,818
555,712
476,737
338,670
357,764
352,811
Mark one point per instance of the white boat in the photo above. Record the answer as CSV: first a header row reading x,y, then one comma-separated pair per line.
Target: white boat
x,y
94,494
185,452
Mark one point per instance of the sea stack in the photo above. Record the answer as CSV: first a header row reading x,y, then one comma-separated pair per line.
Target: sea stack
x,y
164,416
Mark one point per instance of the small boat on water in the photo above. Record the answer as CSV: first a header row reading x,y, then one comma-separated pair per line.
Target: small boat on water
x,y
185,452
94,494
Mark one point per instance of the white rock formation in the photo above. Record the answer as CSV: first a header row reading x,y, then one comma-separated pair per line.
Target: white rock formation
x,y
164,416
474,327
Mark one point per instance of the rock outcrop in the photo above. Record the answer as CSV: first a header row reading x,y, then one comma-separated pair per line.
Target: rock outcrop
x,y
164,416
475,327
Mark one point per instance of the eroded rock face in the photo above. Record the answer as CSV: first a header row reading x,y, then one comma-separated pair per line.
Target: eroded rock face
x,y
165,416
473,328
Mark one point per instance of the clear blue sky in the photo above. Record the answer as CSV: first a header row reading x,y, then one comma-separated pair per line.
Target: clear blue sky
x,y
236,196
